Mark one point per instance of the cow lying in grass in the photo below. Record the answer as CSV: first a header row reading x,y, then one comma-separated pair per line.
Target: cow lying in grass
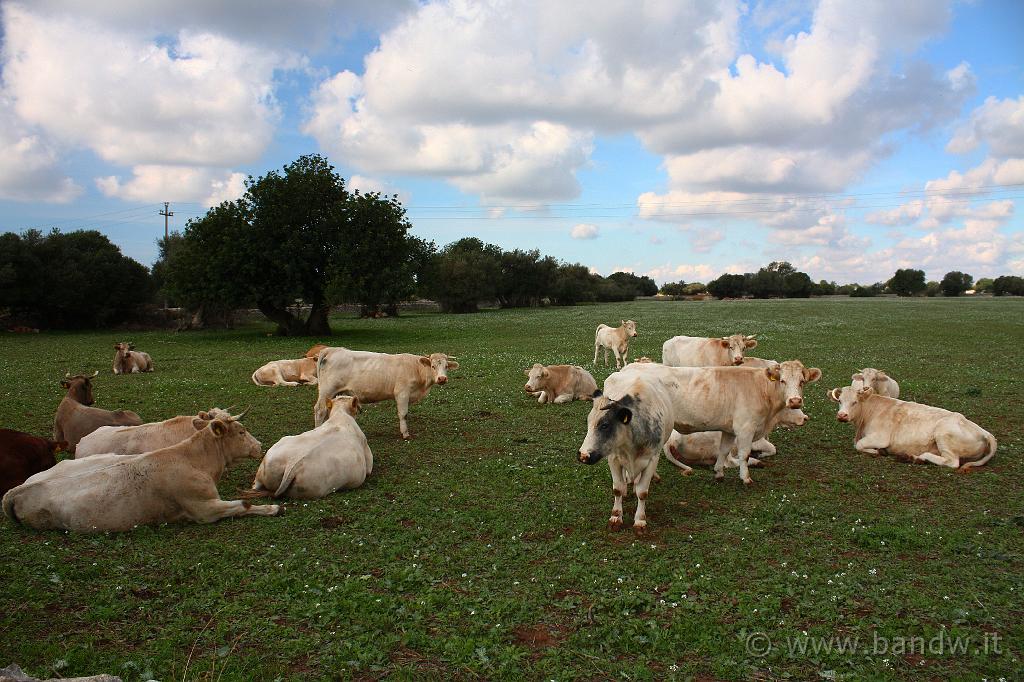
x,y
134,440
559,383
286,373
127,360
76,418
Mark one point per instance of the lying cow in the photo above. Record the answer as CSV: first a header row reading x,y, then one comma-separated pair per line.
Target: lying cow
x,y
699,351
687,450
759,363
117,493
373,377
127,360
918,432
559,383
878,380
134,440
315,350
616,338
333,456
22,454
286,373
75,419
743,403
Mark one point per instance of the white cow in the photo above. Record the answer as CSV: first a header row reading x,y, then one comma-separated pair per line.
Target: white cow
x,y
616,338
134,440
700,351
919,432
559,383
119,492
373,377
286,373
881,382
333,456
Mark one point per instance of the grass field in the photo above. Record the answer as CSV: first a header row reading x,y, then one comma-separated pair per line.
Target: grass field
x,y
479,549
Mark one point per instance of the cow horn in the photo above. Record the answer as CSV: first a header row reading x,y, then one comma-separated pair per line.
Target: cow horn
x,y
67,375
243,413
95,374
228,409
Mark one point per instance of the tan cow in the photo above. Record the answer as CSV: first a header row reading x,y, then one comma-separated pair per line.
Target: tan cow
x,y
919,432
616,338
559,383
881,382
374,377
75,419
315,350
759,363
699,351
286,373
120,492
134,440
741,402
333,456
127,360
687,450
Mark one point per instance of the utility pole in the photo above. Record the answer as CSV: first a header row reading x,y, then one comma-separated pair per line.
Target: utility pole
x,y
166,213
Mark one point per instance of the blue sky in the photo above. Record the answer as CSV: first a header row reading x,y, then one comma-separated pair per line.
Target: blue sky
x,y
679,140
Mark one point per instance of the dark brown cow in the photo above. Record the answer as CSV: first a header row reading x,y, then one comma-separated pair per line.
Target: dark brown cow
x,y
22,454
75,418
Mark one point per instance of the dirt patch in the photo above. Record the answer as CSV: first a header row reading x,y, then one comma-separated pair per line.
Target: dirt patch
x,y
538,637
331,522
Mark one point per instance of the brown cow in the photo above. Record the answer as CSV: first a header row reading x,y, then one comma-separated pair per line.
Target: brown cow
x,y
127,360
75,418
286,372
559,383
22,454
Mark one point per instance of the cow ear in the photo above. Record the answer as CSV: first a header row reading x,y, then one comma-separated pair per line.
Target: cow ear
x,y
811,374
424,360
545,373
64,383
596,394
883,376
624,415
117,346
330,404
452,364
356,406
218,427
198,423
773,373
724,343
204,415
750,342
526,372
833,395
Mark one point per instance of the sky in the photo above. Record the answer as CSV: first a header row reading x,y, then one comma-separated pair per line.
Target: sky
x,y
680,140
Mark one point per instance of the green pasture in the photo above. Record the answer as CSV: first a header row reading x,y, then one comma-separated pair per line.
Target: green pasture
x,y
479,549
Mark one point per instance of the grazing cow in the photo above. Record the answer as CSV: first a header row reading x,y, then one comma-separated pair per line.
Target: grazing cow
x,y
127,360
629,423
687,450
699,351
134,440
286,373
22,454
117,493
75,419
914,431
373,377
741,402
559,383
616,338
881,382
315,350
333,456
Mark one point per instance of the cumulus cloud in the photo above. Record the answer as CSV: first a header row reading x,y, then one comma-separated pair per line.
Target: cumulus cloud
x,y
997,123
29,166
584,231
207,186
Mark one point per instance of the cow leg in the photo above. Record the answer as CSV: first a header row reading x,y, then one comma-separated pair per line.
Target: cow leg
x,y
564,398
605,356
951,461
763,447
402,400
597,347
215,509
542,397
725,448
640,488
871,445
619,487
618,357
743,443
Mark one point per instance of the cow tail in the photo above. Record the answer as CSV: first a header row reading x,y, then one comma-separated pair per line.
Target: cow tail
x,y
669,456
288,478
254,379
8,504
991,453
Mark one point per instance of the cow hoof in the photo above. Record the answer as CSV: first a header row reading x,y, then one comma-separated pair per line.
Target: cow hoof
x,y
689,472
406,437
280,510
640,530
964,470
614,524
719,478
748,481
656,479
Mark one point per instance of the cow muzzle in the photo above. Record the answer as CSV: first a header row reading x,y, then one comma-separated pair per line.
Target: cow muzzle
x,y
843,417
442,380
589,457
737,361
795,403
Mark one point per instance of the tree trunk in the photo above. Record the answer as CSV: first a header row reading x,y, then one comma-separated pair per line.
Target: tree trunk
x,y
287,324
316,323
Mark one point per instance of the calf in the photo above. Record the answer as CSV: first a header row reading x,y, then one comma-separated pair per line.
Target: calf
x,y
127,360
918,432
286,373
333,456
134,440
75,419
22,454
373,377
118,493
616,338
559,383
699,351
878,380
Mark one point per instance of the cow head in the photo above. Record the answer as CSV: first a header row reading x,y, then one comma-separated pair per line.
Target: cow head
x,y
736,345
344,403
869,376
79,387
630,327
236,442
790,419
439,364
607,427
849,399
792,375
315,350
535,375
211,414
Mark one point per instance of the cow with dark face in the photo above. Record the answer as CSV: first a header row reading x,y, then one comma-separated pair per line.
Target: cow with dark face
x,y
628,425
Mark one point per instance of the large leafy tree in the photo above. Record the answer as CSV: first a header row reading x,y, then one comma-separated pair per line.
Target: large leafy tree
x,y
908,282
955,283
463,274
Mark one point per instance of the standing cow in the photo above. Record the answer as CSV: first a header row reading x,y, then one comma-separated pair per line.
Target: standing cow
x,y
75,417
333,456
882,383
559,383
22,455
134,440
616,338
919,432
699,351
127,360
374,377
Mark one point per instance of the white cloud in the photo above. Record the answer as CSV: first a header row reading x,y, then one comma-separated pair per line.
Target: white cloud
x,y
584,231
29,165
175,183
997,123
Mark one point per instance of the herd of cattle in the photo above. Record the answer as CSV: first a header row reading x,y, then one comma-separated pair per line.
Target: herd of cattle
x,y
706,404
